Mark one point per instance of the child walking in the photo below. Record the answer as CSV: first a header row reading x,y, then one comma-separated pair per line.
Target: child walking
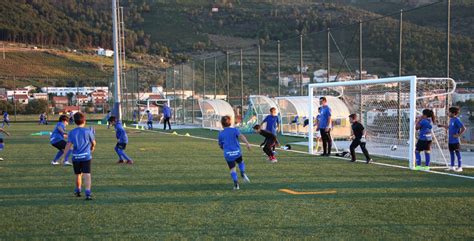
x,y
84,143
268,144
150,120
455,130
122,141
358,133
229,143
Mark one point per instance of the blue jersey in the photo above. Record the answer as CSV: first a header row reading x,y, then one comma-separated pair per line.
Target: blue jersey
x,y
324,117
455,126
272,123
120,133
5,116
425,130
229,142
167,112
81,138
58,133
150,116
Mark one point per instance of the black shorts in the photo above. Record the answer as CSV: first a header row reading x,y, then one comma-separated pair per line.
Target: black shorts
x,y
82,167
454,147
150,122
1,140
231,164
121,146
423,145
60,145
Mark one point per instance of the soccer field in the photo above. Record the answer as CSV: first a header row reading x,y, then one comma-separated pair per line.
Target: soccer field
x,y
180,188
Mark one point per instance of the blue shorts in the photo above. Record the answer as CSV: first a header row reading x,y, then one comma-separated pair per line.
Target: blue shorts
x,y
231,164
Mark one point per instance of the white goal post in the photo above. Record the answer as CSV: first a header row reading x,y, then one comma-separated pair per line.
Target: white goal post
x,y
388,108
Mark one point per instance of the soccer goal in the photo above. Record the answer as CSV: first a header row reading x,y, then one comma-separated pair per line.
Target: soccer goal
x,y
388,109
154,106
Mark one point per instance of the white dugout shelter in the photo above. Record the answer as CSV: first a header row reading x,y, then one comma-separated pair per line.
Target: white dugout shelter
x,y
212,112
294,111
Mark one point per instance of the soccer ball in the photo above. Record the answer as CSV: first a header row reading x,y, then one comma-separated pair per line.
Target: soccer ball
x,y
394,147
286,147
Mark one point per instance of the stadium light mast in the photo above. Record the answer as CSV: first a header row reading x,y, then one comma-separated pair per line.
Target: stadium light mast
x,y
117,110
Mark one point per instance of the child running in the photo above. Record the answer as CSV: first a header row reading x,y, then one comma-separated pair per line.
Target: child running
x,y
359,139
455,129
122,141
84,143
57,140
273,123
229,143
2,145
424,124
268,144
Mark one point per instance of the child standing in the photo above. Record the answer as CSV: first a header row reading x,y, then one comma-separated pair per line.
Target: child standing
x,y
2,145
358,133
150,120
268,144
84,143
424,124
57,140
229,143
122,141
6,119
455,130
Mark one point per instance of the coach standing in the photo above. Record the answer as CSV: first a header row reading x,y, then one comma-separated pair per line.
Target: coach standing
x,y
166,116
324,126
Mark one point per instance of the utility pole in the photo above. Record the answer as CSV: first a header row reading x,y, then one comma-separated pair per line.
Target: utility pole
x,y
279,70
228,76
258,70
241,83
301,65
329,55
117,94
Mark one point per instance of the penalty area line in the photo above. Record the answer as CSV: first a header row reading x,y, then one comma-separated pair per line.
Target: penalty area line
x,y
335,157
289,191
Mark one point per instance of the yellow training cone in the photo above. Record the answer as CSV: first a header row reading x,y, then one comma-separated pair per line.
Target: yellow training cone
x,y
136,126
187,134
124,125
99,122
143,128
174,133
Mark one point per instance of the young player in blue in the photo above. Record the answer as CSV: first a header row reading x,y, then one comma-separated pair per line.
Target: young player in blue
x,y
455,130
122,141
57,140
324,126
6,119
71,117
84,143
41,119
149,120
2,145
273,123
229,143
424,124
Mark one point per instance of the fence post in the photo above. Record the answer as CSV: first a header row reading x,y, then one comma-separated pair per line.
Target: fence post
x,y
258,69
301,65
183,101
279,70
329,54
360,73
204,80
228,76
399,99
193,92
215,77
241,83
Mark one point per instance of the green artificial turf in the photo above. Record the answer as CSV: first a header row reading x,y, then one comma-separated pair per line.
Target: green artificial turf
x,y
180,188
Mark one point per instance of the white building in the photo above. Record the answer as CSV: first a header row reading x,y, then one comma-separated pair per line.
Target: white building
x,y
463,95
40,96
63,91
105,52
20,91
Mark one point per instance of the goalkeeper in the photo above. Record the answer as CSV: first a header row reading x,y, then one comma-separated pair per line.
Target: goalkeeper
x,y
358,135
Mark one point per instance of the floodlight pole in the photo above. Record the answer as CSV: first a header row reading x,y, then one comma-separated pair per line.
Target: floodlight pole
x,y
228,76
361,117
204,80
117,95
329,55
448,51
215,77
183,101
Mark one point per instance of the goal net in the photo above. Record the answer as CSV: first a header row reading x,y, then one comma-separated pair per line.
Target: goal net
x,y
388,108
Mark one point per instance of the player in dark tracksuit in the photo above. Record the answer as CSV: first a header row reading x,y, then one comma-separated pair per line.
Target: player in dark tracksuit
x,y
359,139
268,144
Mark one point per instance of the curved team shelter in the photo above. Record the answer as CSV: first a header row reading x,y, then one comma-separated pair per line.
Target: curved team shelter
x,y
212,112
294,112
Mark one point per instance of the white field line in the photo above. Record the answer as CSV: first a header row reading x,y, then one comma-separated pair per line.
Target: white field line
x,y
336,157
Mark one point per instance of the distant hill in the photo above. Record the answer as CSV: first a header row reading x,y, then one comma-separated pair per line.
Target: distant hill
x,y
183,28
